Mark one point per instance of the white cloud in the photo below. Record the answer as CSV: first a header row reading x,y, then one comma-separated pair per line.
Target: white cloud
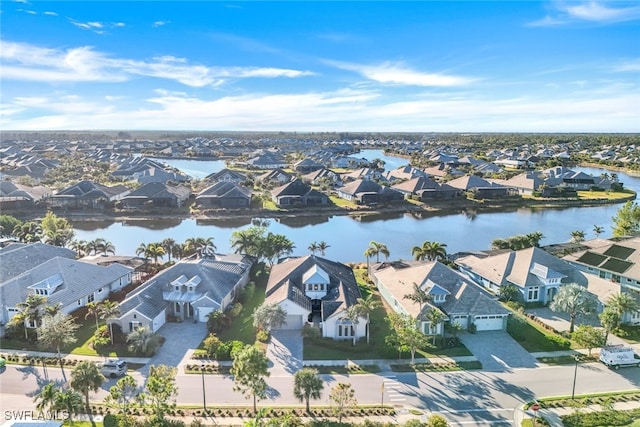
x,y
398,74
589,11
50,13
627,66
23,61
157,24
611,109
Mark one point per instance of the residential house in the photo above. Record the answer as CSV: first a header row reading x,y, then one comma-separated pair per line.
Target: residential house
x,y
224,195
480,187
317,292
297,193
307,165
322,175
365,191
88,194
17,196
616,260
191,289
63,281
426,189
525,183
266,160
404,173
458,298
536,274
369,174
226,175
158,195
276,177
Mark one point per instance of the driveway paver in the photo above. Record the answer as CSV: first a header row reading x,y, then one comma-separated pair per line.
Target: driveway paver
x,y
497,351
179,338
285,352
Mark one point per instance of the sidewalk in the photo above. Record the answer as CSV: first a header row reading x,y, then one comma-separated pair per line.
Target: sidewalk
x,y
137,360
553,415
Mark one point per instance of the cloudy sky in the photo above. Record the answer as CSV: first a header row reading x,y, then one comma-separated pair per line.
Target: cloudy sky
x,y
502,66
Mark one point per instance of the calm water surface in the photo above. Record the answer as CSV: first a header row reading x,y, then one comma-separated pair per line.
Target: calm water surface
x,y
349,238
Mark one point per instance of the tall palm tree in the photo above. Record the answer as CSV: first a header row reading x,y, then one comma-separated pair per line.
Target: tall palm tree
x,y
623,303
155,251
352,314
28,232
93,245
200,245
366,306
307,384
143,341
574,300
322,247
577,236
58,237
434,316
435,251
108,310
86,377
142,250
168,245
245,242
46,397
69,401
93,309
598,230
313,247
52,309
418,252
418,296
105,247
80,247
30,311
376,248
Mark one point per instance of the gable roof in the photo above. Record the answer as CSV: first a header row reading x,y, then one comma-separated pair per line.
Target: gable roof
x,y
522,268
472,181
462,296
287,278
159,190
226,175
223,189
92,189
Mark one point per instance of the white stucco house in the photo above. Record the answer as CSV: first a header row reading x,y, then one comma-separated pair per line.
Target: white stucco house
x,y
186,291
317,292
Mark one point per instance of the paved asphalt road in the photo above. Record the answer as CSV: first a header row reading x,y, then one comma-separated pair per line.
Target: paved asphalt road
x,y
465,398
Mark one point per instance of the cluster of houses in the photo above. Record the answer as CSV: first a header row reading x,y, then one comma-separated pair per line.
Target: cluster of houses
x,y
148,183
318,292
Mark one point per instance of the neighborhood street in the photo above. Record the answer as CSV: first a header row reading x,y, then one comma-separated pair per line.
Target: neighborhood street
x,y
465,398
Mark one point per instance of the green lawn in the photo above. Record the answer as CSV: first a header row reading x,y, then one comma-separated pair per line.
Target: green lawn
x,y
608,195
533,337
242,328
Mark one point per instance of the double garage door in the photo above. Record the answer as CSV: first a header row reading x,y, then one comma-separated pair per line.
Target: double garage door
x,y
294,321
488,323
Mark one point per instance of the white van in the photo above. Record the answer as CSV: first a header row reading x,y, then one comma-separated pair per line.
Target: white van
x,y
615,356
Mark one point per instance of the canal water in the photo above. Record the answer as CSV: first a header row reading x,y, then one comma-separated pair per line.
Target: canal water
x,y
349,237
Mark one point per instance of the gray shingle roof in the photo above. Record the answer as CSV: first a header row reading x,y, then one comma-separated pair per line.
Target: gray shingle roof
x,y
17,258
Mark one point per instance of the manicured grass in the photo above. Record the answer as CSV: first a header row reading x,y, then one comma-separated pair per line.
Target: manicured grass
x,y
82,423
342,202
535,338
436,367
241,328
565,360
351,370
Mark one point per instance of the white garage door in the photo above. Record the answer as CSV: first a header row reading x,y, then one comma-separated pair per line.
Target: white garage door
x,y
203,312
293,322
488,323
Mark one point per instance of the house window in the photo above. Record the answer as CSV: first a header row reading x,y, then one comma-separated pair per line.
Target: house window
x,y
134,325
100,290
603,275
91,298
345,331
79,302
438,298
135,316
190,288
42,292
177,307
177,288
315,287
533,293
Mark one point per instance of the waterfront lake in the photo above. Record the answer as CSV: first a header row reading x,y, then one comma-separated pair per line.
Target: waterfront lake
x,y
349,237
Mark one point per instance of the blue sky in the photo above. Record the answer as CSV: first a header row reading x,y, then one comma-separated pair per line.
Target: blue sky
x,y
510,66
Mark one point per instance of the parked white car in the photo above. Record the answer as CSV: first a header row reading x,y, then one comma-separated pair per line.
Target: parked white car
x,y
615,356
113,368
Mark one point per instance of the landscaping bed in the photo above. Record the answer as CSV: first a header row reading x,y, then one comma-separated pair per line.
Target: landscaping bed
x,y
436,367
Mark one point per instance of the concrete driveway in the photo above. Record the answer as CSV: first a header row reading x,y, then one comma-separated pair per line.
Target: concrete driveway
x,y
285,352
560,321
497,351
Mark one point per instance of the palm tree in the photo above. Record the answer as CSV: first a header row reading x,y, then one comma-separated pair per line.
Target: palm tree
x,y
376,248
623,303
93,245
434,316
307,384
366,306
168,244
69,401
313,247
46,397
199,245
93,309
598,230
52,309
58,237
155,251
577,236
86,377
609,319
105,247
108,310
143,341
419,296
245,242
80,247
28,232
534,239
30,311
574,300
142,250
322,247
352,314
435,251
418,253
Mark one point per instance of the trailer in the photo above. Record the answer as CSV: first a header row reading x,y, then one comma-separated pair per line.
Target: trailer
x,y
615,356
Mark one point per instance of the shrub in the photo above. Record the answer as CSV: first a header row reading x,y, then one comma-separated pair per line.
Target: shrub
x,y
101,337
473,328
262,335
217,321
235,310
212,345
110,421
559,342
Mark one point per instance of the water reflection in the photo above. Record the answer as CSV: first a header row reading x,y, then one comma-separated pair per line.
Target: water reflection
x,y
373,217
91,225
233,222
154,224
303,221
